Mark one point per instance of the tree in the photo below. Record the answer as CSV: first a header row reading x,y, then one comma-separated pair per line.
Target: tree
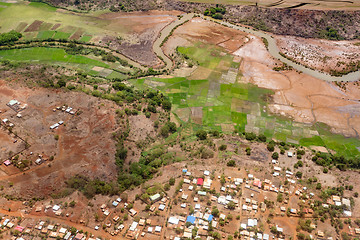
x,y
72,203
231,163
166,105
61,83
262,138
250,136
298,174
275,155
215,211
271,147
172,181
223,147
231,205
164,131
248,151
216,235
201,134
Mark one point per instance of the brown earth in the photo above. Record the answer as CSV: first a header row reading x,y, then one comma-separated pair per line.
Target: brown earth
x,y
273,17
85,145
142,29
322,102
293,97
323,55
207,32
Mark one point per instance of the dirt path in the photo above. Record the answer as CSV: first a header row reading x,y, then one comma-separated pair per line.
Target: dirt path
x,y
164,34
274,52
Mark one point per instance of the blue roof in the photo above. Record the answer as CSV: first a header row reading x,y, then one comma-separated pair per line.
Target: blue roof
x,y
184,170
210,218
190,219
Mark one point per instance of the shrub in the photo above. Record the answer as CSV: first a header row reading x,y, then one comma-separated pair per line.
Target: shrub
x,y
271,147
248,151
250,136
231,163
222,147
275,155
262,138
201,134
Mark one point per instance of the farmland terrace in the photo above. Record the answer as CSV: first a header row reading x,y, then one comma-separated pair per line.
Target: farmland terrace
x,y
307,19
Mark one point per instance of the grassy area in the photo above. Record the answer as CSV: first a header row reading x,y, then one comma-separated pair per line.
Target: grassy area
x,y
58,56
43,6
12,14
61,35
45,34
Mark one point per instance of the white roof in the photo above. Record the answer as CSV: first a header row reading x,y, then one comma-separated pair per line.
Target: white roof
x,y
133,226
157,229
277,169
173,220
56,207
206,173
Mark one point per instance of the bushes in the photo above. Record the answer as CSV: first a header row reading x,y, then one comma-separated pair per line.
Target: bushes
x,y
248,151
298,174
216,12
275,156
271,146
201,134
231,163
9,37
250,136
92,187
223,147
169,127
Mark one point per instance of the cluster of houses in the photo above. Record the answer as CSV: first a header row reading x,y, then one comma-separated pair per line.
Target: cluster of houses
x,y
65,109
25,230
16,105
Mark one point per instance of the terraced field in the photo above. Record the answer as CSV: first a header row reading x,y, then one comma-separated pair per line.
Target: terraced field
x,y
215,97
56,56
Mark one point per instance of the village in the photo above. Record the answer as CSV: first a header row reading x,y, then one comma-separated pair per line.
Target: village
x,y
201,204
198,205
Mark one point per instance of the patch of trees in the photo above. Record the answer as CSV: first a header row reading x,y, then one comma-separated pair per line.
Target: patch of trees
x,y
341,162
92,187
9,37
201,134
148,165
168,128
330,33
215,12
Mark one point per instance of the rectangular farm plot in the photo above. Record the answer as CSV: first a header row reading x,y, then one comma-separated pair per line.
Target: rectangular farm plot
x,y
21,26
85,38
61,35
45,34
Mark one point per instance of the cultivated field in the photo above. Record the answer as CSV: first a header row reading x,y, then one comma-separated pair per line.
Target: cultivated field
x,y
242,91
131,33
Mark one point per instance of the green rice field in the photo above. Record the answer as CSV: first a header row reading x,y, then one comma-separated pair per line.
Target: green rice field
x,y
223,102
